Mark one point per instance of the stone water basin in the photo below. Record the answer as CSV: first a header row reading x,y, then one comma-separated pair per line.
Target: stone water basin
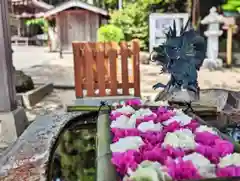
x,y
62,145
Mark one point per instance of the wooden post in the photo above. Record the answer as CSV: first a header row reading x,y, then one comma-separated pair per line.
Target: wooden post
x,y
229,45
7,90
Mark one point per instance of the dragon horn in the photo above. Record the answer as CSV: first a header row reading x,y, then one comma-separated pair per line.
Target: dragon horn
x,y
186,26
174,29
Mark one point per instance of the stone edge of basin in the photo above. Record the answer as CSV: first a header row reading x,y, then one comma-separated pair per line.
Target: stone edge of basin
x,y
34,96
29,156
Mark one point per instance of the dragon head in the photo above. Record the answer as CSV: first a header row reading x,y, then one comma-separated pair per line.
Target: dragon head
x,y
189,45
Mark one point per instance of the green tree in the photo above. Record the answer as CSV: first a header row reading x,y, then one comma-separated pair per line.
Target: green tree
x,y
109,33
133,18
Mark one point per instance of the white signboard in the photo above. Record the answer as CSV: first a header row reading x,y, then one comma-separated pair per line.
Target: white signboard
x,y
159,24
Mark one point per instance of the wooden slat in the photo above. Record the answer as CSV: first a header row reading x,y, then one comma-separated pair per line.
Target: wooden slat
x,y
107,85
93,46
100,71
124,65
89,69
78,65
136,67
107,47
112,54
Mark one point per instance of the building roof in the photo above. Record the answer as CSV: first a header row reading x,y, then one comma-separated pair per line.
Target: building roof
x,y
37,3
75,4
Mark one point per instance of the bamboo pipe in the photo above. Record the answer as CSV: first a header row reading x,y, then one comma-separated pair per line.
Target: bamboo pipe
x,y
105,169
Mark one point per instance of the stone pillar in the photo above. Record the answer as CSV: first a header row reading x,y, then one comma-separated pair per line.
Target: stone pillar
x,y
12,118
213,21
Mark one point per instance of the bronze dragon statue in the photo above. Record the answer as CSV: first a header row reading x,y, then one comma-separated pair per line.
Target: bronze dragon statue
x,y
181,56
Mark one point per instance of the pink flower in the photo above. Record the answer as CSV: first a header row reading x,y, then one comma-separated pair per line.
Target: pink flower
x,y
209,152
206,138
174,152
172,127
151,153
118,114
164,114
121,133
182,170
152,138
124,161
146,119
193,125
223,147
133,102
231,171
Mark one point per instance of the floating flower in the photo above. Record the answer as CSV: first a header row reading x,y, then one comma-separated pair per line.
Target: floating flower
x,y
206,138
121,133
182,170
180,139
126,110
171,127
230,160
193,125
149,126
152,137
152,171
209,152
224,147
162,144
181,118
123,122
127,143
203,165
133,102
204,128
230,171
124,161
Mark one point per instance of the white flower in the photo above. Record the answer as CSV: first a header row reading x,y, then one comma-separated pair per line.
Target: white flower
x,y
203,128
183,138
180,117
143,112
149,171
149,126
124,110
204,166
127,143
230,160
123,122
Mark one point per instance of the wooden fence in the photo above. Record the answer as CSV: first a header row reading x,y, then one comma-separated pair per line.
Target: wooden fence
x,y
102,66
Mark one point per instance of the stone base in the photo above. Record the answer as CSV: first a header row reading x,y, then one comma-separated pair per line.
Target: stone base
x,y
12,125
212,64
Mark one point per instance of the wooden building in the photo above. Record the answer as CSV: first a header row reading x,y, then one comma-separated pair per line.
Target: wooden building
x,y
76,21
22,10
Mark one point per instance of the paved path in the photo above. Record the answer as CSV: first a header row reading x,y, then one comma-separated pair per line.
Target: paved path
x,y
45,67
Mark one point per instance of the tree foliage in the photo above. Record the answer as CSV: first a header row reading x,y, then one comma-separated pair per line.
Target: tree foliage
x,y
133,18
38,21
109,33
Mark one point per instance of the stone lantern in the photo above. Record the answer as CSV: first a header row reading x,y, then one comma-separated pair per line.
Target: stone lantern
x,y
213,20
